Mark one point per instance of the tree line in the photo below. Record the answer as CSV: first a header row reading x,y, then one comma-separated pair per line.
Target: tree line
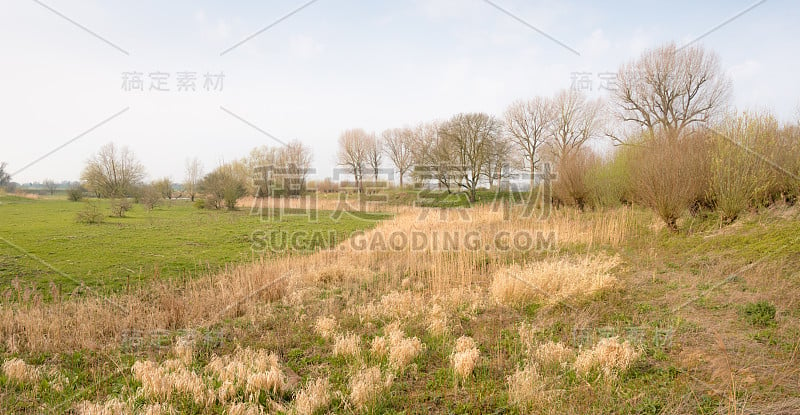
x,y
678,144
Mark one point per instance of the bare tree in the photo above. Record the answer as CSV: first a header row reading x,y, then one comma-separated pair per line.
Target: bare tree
x,y
668,90
528,126
433,155
471,136
576,120
113,172
374,155
499,160
51,186
352,153
263,162
398,142
295,165
194,174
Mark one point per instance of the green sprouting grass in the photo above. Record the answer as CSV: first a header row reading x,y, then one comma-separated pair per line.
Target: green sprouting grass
x,y
42,243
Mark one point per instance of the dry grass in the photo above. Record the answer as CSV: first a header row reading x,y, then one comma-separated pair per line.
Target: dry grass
x,y
244,408
93,323
465,357
326,327
609,355
553,280
367,385
184,350
347,345
527,388
552,354
19,371
113,406
162,381
403,350
314,397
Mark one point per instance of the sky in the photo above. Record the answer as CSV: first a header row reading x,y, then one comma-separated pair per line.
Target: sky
x,y
333,65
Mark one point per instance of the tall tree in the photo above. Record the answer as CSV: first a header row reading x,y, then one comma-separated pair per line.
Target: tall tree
x,y
374,155
194,175
668,90
528,124
576,120
471,136
113,172
352,153
5,178
398,142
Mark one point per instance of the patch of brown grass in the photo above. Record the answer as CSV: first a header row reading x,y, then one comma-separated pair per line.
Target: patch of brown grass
x,y
367,385
609,355
553,280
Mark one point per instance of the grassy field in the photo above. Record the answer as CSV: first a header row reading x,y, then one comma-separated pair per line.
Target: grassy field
x,y
619,316
43,243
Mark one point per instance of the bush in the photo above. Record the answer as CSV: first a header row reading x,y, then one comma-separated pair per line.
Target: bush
x,y
90,214
75,193
119,206
739,178
150,197
200,204
571,185
760,314
670,175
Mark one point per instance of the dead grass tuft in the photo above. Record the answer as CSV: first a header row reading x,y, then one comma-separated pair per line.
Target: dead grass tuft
x,y
367,385
314,397
162,381
552,353
527,388
347,345
112,406
326,327
609,356
19,371
553,280
465,357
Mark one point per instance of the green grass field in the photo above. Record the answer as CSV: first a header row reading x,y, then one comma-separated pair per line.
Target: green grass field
x,y
42,242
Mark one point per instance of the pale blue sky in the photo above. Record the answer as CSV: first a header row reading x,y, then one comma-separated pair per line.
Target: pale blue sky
x,y
336,64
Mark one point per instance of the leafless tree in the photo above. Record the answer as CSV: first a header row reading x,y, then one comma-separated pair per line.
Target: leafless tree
x,y
194,174
374,155
295,164
51,186
669,90
499,160
262,162
471,136
352,153
113,172
576,120
528,126
398,142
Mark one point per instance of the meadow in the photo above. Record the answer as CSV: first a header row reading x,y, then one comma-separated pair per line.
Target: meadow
x,y
43,244
619,315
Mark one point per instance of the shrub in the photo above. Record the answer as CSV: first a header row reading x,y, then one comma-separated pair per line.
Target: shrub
x,y
150,197
761,313
75,193
200,203
90,214
119,206
571,185
739,178
669,175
